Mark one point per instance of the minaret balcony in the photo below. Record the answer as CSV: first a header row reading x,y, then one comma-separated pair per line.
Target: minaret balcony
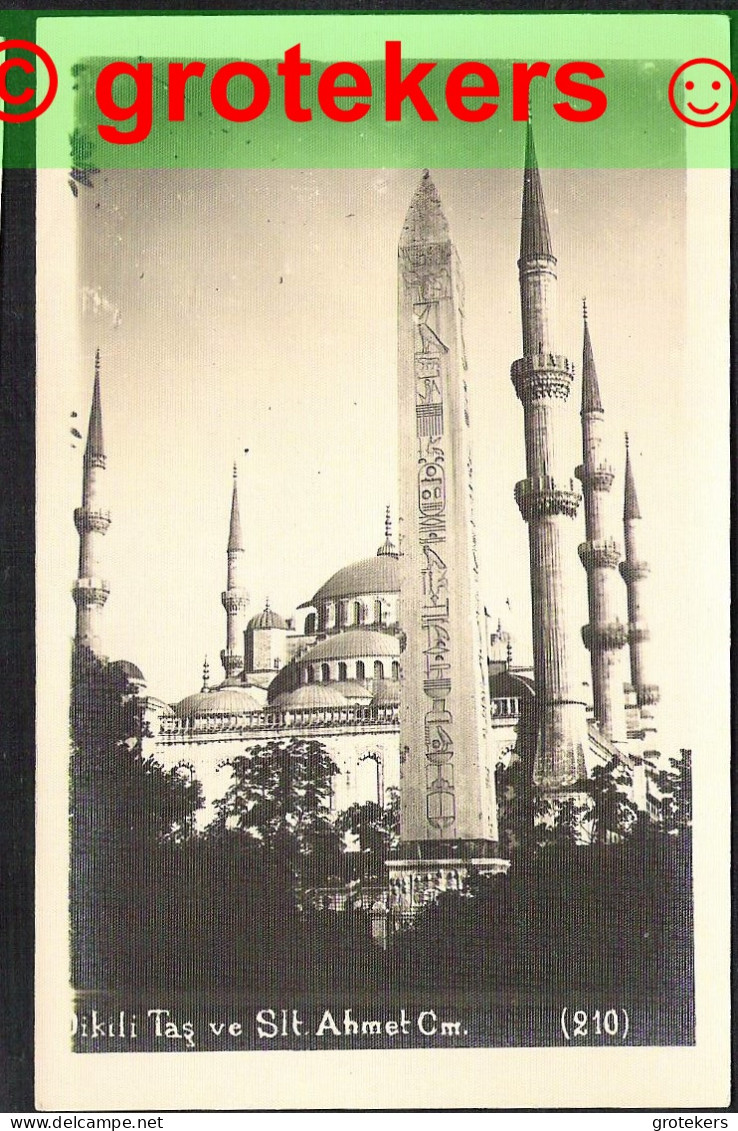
x,y
648,695
89,592
600,554
605,637
598,478
94,459
90,521
634,571
232,662
638,633
542,376
234,601
542,496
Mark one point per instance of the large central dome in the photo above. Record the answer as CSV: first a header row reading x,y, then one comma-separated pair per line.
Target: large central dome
x,y
380,574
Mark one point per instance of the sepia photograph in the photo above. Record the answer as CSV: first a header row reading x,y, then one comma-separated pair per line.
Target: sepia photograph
x,y
385,562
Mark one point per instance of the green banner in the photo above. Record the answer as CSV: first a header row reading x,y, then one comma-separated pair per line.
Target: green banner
x,y
346,90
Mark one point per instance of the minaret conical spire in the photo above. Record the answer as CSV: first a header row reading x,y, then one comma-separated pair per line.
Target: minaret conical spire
x,y
95,446
591,400
425,221
630,508
235,536
535,237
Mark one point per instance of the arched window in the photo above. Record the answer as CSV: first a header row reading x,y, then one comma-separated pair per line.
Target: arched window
x,y
360,670
325,672
377,612
323,618
342,671
357,612
343,614
378,669
311,673
395,669
310,624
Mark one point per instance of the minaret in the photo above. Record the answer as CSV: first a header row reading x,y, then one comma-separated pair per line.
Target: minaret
x,y
447,774
634,572
92,521
548,500
235,598
605,635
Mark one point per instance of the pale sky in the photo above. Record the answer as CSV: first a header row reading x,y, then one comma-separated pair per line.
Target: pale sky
x,y
256,309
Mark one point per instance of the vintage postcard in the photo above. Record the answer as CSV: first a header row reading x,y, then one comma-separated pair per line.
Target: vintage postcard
x,y
383,576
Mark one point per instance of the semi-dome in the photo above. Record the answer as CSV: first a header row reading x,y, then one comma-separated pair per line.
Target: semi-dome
x,y
267,618
380,574
311,695
353,644
353,689
219,701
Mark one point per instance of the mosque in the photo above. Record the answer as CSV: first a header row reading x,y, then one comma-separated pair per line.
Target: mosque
x,y
338,670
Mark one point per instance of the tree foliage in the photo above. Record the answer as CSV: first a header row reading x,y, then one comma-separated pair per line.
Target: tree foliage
x,y
377,829
615,813
126,813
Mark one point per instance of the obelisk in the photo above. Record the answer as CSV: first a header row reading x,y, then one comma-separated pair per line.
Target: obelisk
x,y
448,809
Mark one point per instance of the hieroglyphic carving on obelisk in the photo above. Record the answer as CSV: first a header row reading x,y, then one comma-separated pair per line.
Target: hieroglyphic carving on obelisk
x,y
447,774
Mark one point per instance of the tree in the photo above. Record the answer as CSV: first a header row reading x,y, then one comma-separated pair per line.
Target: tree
x,y
564,822
615,813
377,829
279,797
674,783
514,801
127,816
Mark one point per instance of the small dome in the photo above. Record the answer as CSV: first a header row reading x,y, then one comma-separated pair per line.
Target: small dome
x,y
221,701
354,644
380,574
386,692
127,670
267,618
507,683
311,695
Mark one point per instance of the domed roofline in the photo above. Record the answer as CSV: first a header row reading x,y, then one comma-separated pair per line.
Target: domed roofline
x,y
219,701
311,695
368,577
267,618
355,643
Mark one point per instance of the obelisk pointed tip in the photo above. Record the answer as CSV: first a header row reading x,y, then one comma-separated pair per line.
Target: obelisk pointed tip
x,y
425,222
